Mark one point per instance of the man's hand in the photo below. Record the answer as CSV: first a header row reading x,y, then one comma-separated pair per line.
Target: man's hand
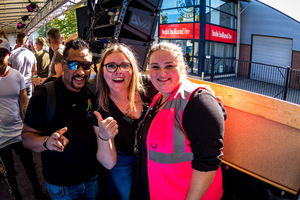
x,y
56,141
36,80
108,128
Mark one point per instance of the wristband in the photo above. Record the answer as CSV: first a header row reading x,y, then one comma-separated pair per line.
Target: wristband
x,y
102,138
44,143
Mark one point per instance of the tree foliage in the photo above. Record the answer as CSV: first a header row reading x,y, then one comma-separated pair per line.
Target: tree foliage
x,y
164,19
67,25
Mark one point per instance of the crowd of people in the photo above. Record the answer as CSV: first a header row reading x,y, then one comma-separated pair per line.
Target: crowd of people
x,y
155,136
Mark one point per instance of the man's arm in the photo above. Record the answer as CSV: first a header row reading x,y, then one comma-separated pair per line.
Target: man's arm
x,y
34,69
200,182
23,101
4,34
33,140
58,69
71,37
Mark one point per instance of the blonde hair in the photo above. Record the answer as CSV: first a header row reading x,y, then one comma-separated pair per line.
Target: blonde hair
x,y
175,50
135,83
41,41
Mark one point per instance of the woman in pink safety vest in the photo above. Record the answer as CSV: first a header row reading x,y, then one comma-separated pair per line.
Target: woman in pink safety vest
x,y
179,142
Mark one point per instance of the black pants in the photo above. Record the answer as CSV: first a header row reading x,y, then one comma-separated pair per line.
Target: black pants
x,y
9,167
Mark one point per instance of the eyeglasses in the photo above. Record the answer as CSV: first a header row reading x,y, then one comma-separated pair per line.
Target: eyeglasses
x,y
112,67
3,54
74,65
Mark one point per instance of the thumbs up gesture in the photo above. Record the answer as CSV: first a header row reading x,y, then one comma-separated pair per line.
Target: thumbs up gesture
x,y
57,142
108,128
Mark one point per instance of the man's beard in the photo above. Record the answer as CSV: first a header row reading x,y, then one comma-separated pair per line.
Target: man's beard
x,y
72,84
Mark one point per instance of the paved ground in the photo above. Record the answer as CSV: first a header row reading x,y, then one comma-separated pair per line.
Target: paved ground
x,y
23,183
236,185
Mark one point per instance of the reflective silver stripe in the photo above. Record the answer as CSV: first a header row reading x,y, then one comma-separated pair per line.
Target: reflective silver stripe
x,y
170,158
179,155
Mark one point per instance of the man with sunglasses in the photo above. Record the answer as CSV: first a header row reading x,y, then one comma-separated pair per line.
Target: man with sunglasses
x,y
13,97
68,144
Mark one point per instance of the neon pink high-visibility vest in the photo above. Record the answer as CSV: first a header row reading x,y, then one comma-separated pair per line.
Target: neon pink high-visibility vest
x,y
169,151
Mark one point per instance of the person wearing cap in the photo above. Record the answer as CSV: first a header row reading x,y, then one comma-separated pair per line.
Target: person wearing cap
x,y
24,61
12,98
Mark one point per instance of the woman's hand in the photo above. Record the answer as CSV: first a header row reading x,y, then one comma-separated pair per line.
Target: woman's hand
x,y
108,128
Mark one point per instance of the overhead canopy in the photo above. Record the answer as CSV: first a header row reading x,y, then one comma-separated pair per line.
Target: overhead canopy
x,y
12,11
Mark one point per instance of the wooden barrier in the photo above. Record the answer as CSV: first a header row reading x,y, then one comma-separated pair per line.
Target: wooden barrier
x,y
262,136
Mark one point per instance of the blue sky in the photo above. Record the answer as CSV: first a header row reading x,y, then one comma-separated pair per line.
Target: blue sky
x,y
289,7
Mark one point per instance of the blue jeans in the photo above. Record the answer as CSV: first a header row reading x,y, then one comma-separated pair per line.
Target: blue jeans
x,y
87,191
122,174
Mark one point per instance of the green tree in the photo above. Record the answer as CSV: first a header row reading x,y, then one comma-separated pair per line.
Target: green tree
x,y
180,19
67,26
164,19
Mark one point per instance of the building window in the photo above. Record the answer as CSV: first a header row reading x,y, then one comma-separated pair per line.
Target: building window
x,y
177,15
229,8
222,50
180,24
220,18
187,50
179,3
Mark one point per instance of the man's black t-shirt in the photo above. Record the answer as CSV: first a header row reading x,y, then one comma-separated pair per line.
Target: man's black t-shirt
x,y
77,164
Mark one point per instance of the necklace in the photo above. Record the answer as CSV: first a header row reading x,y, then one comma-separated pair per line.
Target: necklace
x,y
136,146
157,108
127,118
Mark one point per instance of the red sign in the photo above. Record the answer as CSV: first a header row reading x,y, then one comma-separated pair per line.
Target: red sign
x,y
197,31
221,34
174,31
185,31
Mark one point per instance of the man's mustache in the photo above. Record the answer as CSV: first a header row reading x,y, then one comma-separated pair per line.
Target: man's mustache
x,y
79,76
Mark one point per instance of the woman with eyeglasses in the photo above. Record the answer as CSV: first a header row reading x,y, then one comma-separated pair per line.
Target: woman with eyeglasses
x,y
121,95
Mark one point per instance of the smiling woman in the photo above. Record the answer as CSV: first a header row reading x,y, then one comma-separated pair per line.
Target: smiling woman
x,y
183,129
120,93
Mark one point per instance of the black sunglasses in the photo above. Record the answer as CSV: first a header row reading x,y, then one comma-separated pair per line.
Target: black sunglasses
x,y
3,54
74,65
112,67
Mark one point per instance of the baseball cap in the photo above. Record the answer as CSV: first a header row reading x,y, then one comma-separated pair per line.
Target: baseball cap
x,y
4,44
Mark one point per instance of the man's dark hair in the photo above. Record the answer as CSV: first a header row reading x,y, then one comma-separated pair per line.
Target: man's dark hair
x,y
75,44
21,37
54,34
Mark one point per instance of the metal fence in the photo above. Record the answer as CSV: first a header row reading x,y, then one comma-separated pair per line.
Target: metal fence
x,y
274,81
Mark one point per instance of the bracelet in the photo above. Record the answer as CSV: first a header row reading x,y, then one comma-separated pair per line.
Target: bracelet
x,y
102,138
44,143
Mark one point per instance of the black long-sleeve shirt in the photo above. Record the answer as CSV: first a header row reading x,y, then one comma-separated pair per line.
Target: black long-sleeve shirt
x,y
203,121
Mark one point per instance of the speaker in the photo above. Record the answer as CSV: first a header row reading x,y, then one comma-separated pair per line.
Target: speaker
x,y
82,22
140,48
133,23
106,4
